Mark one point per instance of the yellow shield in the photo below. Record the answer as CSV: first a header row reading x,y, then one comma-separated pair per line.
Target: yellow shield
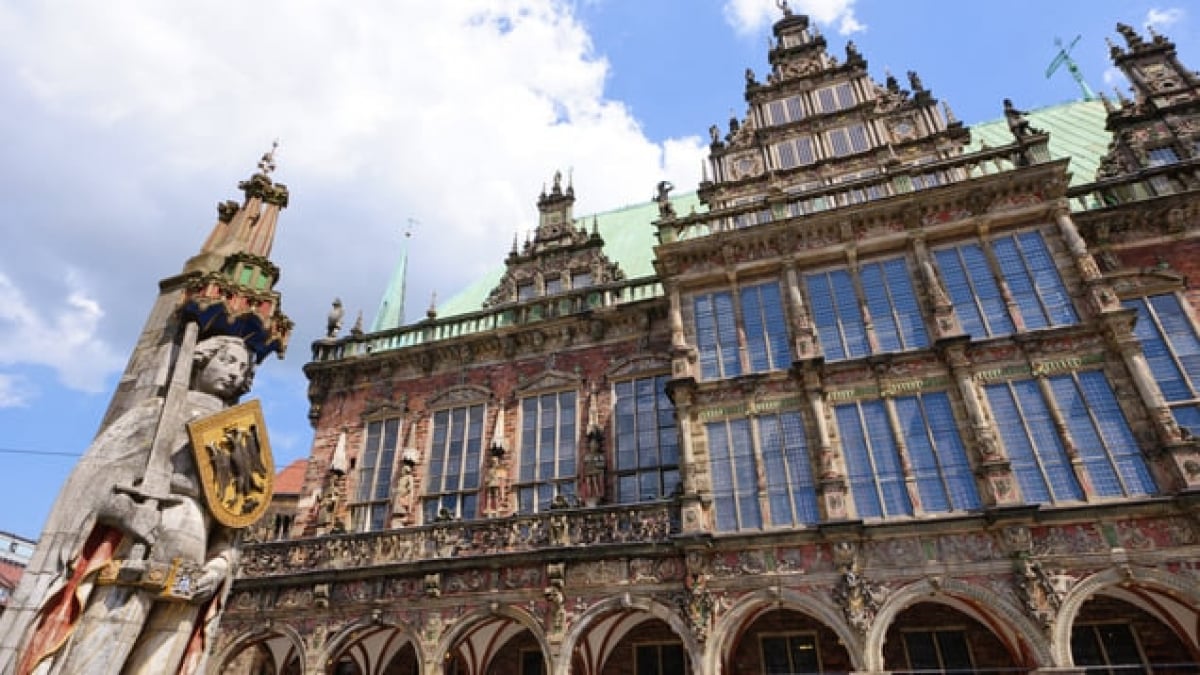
x,y
233,456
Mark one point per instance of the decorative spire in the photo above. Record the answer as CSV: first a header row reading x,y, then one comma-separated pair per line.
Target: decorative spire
x,y
230,288
950,118
391,306
431,313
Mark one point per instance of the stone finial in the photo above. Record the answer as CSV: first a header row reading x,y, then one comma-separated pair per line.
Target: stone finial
x,y
266,165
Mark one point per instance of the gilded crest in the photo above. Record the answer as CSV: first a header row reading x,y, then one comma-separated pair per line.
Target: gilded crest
x,y
233,456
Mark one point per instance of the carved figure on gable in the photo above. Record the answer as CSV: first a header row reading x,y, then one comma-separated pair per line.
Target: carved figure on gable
x,y
333,324
1018,124
666,210
138,560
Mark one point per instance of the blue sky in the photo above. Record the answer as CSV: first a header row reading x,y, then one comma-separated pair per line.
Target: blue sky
x,y
127,121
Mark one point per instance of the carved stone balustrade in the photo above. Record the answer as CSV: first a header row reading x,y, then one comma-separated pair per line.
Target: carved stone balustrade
x,y
653,523
573,302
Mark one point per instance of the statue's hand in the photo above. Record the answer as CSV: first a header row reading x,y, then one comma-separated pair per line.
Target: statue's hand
x,y
207,584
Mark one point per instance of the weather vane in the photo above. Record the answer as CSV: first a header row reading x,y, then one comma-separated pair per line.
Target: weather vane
x,y
1064,57
267,164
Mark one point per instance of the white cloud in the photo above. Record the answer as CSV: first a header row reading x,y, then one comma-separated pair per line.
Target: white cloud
x,y
750,16
62,337
1163,18
452,113
14,391
1114,78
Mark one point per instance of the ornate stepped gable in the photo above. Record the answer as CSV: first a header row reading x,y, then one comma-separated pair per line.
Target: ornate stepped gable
x,y
817,121
1161,125
560,258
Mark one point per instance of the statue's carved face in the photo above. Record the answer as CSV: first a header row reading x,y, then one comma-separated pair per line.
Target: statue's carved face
x,y
225,373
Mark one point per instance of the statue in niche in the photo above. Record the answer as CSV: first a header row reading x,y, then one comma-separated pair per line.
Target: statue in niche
x,y
496,482
132,576
402,503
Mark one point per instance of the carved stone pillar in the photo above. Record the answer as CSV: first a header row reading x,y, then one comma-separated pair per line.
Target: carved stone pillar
x,y
831,478
802,327
945,321
683,357
991,463
693,461
1179,453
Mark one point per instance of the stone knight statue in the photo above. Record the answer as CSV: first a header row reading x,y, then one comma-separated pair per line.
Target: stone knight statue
x,y
139,550
98,616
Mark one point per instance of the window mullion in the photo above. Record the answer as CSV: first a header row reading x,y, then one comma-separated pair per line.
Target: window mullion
x,y
1010,303
906,470
1038,464
760,478
1064,433
743,349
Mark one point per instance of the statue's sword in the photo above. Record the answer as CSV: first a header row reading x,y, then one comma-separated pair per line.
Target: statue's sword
x,y
140,513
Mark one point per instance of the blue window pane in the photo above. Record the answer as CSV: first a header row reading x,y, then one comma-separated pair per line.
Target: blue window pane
x,y
765,327
858,462
775,471
951,453
1016,441
926,471
1180,334
820,292
1115,433
745,473
880,307
837,316
1096,461
727,334
799,468
849,316
886,458
706,336
1158,354
1047,282
1020,283
909,321
722,477
1035,450
962,296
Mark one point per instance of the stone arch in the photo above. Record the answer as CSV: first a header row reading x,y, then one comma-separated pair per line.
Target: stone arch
x,y
1179,588
733,620
218,662
626,603
350,633
464,625
982,604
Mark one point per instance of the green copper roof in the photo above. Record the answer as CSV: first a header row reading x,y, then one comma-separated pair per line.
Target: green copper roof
x,y
1076,131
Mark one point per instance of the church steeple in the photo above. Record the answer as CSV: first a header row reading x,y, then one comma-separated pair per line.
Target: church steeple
x,y
391,307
